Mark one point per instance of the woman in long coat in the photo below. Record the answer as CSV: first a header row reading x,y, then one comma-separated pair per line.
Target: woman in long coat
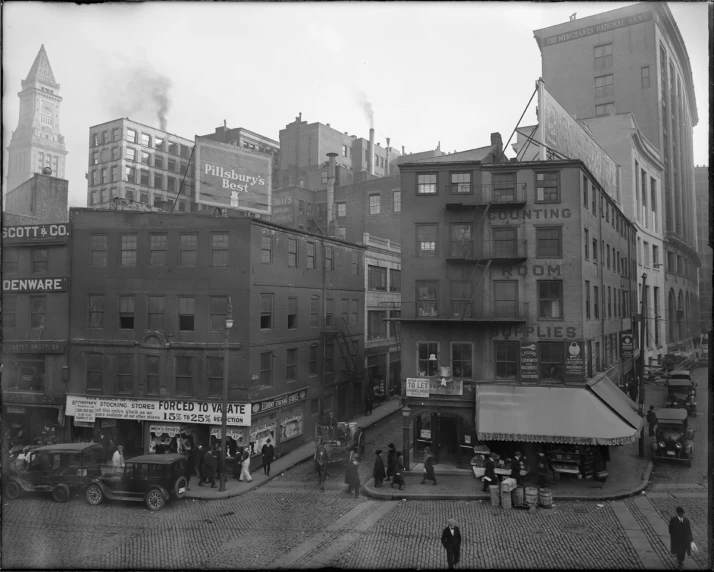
x,y
378,472
353,476
398,478
429,467
391,461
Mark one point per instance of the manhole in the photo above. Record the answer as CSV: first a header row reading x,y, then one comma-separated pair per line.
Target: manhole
x,y
575,528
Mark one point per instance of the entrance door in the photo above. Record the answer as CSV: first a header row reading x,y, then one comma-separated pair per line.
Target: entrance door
x,y
448,441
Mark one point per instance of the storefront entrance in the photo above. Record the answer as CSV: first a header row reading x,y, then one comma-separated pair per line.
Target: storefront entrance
x,y
447,441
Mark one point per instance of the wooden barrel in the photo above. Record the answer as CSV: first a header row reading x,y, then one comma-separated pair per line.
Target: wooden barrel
x,y
518,496
545,497
494,495
531,496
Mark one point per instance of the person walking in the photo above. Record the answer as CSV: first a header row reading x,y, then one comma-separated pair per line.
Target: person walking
x,y
268,452
398,468
245,467
360,437
220,460
378,473
391,460
353,476
209,468
517,468
118,459
451,540
489,476
652,420
198,462
429,467
680,537
368,403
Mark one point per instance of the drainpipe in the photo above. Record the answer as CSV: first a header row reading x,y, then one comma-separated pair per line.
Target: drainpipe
x,y
324,337
386,161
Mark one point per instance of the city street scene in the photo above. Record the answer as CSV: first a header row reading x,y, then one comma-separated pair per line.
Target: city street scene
x,y
265,305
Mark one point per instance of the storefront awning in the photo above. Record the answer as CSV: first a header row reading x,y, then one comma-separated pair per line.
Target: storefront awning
x,y
616,399
548,415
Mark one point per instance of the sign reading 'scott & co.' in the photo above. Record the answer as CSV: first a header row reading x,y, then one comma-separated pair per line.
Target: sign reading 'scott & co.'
x,y
36,232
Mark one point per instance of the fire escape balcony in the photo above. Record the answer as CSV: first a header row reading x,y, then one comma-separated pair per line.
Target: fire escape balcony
x,y
462,196
471,251
465,311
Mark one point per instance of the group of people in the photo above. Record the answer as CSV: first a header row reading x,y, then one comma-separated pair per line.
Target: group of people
x,y
393,471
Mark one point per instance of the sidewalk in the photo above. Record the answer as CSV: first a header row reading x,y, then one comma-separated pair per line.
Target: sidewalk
x,y
235,488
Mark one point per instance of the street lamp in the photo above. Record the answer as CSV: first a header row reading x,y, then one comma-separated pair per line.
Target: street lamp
x,y
224,408
406,413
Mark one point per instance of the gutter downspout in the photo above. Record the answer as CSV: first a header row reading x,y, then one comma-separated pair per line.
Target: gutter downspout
x,y
324,337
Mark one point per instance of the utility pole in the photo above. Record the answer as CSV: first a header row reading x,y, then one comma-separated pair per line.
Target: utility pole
x,y
643,339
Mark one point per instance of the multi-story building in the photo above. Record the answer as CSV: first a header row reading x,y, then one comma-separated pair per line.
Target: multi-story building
x,y
517,288
37,143
149,302
634,60
703,190
40,199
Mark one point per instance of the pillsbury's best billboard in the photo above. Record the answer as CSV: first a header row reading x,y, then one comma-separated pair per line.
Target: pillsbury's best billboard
x,y
230,177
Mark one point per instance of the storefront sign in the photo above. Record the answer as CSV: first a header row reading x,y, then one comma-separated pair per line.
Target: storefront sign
x,y
35,285
425,434
37,231
627,346
417,387
290,427
206,413
451,387
280,401
529,363
596,29
48,347
575,361
467,439
82,423
237,434
170,429
84,412
259,436
11,409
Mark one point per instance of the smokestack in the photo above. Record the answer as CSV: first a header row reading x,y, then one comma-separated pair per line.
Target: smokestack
x,y
403,153
370,152
497,142
330,190
386,161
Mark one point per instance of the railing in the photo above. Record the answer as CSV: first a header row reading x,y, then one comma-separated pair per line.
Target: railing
x,y
383,243
463,310
503,193
489,249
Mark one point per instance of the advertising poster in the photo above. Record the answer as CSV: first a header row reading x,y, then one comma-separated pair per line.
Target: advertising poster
x,y
237,434
230,177
575,361
259,435
444,386
291,424
627,345
417,387
529,362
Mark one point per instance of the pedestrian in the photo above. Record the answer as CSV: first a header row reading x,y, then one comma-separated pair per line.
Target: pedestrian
x,y
489,476
360,441
268,452
368,403
245,467
209,468
517,468
428,467
188,471
353,476
198,454
451,540
652,420
680,534
378,473
542,470
118,459
220,460
391,460
398,479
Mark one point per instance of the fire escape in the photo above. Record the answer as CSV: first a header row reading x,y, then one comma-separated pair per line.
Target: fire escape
x,y
352,359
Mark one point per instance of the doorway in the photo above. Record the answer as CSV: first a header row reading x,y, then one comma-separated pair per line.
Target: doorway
x,y
448,442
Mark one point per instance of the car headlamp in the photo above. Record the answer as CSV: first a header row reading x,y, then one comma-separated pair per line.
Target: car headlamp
x,y
661,444
678,445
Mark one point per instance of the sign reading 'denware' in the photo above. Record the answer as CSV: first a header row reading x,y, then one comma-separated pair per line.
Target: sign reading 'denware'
x,y
35,231
35,285
206,413
417,387
230,177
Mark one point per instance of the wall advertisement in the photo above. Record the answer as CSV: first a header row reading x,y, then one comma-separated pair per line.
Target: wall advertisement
x,y
529,362
417,387
575,361
237,434
259,435
36,232
291,424
230,177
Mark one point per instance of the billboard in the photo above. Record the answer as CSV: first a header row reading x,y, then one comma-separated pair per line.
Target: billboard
x,y
230,177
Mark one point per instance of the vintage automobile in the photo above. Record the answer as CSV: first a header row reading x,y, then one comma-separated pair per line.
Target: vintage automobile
x,y
338,442
674,440
57,469
151,479
681,392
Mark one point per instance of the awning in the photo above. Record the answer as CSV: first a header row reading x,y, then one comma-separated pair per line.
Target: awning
x,y
572,415
617,400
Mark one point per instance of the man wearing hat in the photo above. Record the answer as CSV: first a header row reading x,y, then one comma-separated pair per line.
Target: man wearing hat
x,y
451,540
652,420
378,473
516,468
680,533
489,477
391,460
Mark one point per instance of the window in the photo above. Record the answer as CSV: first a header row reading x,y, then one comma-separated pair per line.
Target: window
x,y
186,313
215,376
128,250
504,187
395,280
587,244
310,255
547,190
341,209
329,362
427,298
313,359
266,311
173,148
609,302
344,150
125,374
219,309
425,366
461,360
39,261
292,253
645,75
115,134
376,325
461,293
130,154
115,174
549,242
604,109
131,135
158,181
551,360
355,263
505,298
130,173
38,311
156,312
355,315
94,372
157,249
11,260
314,311
607,246
603,85
188,253
646,250
329,307
595,250
144,198
170,184
345,311
374,204
292,313
144,158
397,201
291,363
184,374
329,262
507,354
460,183
550,299
655,257
596,309
96,311
586,201
426,184
653,202
460,245
159,161
426,236
587,299
126,312
603,56
266,368
377,278
219,249
151,366
323,177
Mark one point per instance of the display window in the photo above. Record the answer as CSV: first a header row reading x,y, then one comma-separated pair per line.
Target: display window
x,y
260,432
291,424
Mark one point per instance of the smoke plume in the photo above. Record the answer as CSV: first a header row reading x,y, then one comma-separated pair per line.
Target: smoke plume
x,y
367,108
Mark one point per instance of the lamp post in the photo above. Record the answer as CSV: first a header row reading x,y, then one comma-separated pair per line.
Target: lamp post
x,y
406,412
224,406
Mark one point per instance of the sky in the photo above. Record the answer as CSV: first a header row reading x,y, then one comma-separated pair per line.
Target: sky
x,y
444,73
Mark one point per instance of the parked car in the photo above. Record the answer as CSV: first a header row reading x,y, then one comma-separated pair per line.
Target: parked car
x,y
682,392
153,479
57,469
674,440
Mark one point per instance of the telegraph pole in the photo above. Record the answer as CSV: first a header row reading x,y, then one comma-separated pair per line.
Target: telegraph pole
x,y
643,341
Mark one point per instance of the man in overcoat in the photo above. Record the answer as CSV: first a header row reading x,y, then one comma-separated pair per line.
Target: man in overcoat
x,y
516,468
391,460
209,467
353,476
378,472
680,535
652,420
268,453
451,540
489,477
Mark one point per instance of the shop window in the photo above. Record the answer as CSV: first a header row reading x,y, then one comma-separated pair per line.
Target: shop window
x,y
188,250
266,368
94,372
266,249
377,278
96,311
313,359
128,250
219,249
426,366
219,309
551,359
292,253
184,375
547,187
355,316
549,242
395,280
426,184
461,360
157,249
151,366
461,292
266,311
506,362
314,311
329,260
10,260
550,299
215,376
426,240
310,255
156,312
376,325
186,313
427,298
291,364
38,311
125,374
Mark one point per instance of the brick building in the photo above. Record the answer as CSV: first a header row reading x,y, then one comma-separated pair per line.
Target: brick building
x,y
149,302
40,199
517,284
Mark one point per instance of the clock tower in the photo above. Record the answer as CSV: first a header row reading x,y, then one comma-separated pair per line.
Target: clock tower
x,y
37,142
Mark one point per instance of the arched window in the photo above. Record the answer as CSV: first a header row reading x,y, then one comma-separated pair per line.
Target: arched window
x,y
671,316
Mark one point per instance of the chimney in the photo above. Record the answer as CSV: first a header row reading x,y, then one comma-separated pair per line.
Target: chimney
x,y
330,190
370,152
497,142
403,153
386,161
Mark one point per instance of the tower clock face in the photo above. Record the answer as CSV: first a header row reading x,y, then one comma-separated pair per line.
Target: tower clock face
x,y
48,108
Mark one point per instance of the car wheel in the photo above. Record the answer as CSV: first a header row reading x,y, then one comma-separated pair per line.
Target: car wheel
x,y
94,494
155,499
12,490
60,493
180,487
